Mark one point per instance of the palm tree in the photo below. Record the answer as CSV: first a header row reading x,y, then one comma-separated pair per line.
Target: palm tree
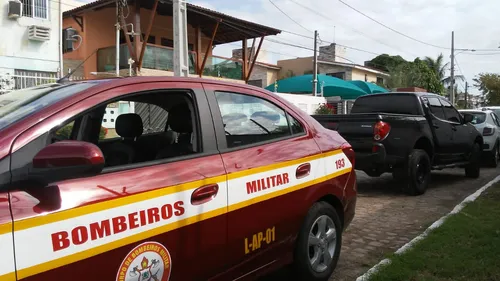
x,y
440,69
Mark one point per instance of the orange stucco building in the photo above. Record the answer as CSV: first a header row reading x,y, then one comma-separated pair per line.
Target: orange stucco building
x,y
94,41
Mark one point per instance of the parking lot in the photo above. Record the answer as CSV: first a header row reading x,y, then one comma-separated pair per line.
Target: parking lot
x,y
386,219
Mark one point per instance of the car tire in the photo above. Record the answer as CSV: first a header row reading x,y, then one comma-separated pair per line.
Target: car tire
x,y
314,247
419,172
473,169
494,156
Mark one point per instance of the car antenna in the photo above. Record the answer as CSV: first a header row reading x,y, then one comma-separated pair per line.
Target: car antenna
x,y
66,77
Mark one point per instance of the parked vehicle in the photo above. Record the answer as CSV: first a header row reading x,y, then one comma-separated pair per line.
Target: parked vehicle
x,y
408,134
215,202
488,124
494,108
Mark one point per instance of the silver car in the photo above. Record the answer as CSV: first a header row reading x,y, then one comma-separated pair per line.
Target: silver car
x,y
488,124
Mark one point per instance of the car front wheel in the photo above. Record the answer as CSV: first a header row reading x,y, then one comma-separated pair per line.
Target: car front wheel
x,y
494,156
318,244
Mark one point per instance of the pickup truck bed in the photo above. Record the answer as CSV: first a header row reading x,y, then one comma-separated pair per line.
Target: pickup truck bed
x,y
385,131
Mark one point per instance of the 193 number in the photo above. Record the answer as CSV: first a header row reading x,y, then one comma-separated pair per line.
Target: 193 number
x,y
340,163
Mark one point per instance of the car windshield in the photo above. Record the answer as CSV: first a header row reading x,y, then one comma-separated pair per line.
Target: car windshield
x,y
477,117
19,104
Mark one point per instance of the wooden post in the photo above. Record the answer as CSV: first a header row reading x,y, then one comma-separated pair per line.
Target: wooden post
x,y
198,50
251,54
137,30
209,47
148,32
254,60
244,57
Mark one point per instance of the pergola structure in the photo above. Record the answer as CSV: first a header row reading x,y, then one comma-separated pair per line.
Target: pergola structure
x,y
219,27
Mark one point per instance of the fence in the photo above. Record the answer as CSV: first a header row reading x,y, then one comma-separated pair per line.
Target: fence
x,y
27,79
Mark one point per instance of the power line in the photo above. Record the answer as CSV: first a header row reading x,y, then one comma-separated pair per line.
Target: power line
x,y
484,54
276,6
353,29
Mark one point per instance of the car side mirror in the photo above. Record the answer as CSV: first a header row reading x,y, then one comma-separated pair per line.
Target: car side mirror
x,y
468,118
66,160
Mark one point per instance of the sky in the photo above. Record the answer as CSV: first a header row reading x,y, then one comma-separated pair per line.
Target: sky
x,y
476,25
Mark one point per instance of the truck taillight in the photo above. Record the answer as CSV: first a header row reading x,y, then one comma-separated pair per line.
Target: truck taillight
x,y
381,130
349,153
488,131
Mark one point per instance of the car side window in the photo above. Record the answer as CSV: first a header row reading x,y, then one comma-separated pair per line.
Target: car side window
x,y
248,119
495,119
436,108
450,112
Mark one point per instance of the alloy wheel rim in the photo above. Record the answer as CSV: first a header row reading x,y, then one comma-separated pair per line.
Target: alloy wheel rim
x,y
322,243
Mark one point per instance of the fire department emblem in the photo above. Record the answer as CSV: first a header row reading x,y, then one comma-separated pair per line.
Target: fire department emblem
x,y
149,261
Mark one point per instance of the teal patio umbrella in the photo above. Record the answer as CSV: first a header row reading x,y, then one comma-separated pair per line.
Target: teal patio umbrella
x,y
368,87
332,86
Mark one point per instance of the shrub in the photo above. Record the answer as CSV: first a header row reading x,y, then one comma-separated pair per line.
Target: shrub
x,y
324,109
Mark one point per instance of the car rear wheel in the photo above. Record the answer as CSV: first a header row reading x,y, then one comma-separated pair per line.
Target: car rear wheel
x,y
494,156
318,244
418,172
472,170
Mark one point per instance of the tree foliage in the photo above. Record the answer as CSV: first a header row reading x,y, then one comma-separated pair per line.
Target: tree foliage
x,y
386,62
415,74
437,66
489,85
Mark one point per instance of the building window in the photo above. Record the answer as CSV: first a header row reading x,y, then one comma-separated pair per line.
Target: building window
x,y
380,80
257,83
36,8
340,75
151,39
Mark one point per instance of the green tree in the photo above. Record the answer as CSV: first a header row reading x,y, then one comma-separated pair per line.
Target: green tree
x,y
437,66
386,62
489,85
415,74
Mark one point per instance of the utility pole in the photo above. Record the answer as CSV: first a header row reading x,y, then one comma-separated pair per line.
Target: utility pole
x,y
181,63
466,95
452,71
118,27
315,67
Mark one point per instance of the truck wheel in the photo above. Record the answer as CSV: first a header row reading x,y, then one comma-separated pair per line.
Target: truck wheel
x,y
318,245
472,170
419,172
494,156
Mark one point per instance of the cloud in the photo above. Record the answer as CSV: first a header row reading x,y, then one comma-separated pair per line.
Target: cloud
x,y
476,25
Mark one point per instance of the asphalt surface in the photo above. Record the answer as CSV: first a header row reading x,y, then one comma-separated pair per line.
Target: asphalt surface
x,y
386,219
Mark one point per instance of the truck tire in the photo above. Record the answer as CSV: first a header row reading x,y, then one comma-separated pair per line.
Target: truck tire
x,y
419,172
318,244
473,169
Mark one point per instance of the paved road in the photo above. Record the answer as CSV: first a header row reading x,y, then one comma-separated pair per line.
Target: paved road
x,y
386,219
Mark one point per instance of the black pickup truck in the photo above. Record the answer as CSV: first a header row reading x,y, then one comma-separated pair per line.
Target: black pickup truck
x,y
408,134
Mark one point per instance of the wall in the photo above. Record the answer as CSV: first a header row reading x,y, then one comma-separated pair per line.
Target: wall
x,y
298,66
18,52
100,32
358,74
306,103
328,68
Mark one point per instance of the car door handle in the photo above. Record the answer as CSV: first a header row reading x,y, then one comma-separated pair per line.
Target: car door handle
x,y
204,194
303,170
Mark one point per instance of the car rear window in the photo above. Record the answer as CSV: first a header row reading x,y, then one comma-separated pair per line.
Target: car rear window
x,y
390,103
478,117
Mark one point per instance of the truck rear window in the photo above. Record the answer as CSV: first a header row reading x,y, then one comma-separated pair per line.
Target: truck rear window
x,y
390,103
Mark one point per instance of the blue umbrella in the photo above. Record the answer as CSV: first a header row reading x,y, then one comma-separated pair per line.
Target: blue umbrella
x,y
368,87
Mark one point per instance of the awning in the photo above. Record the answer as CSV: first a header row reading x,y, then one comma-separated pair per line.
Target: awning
x,y
331,86
368,87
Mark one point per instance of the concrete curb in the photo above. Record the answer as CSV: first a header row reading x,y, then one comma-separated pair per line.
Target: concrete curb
x,y
435,225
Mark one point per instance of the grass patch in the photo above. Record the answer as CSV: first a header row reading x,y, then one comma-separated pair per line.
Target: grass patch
x,y
465,247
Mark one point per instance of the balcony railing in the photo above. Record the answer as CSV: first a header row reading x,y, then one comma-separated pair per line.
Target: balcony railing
x,y
162,58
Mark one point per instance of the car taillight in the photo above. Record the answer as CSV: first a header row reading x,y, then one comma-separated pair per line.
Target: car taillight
x,y
381,130
349,153
488,131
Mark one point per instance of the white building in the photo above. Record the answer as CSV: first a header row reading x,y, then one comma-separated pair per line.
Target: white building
x,y
30,51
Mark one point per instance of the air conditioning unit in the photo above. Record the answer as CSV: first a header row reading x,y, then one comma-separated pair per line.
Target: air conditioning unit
x,y
69,38
38,33
15,9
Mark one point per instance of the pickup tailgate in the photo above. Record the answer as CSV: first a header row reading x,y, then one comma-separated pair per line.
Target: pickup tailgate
x,y
356,128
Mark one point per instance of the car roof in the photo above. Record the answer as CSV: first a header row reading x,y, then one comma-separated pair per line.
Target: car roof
x,y
474,110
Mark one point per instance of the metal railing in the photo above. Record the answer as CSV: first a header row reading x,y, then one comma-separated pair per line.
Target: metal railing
x,y
162,58
26,79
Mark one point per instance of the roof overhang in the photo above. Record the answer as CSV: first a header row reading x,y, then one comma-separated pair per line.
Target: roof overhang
x,y
230,29
356,66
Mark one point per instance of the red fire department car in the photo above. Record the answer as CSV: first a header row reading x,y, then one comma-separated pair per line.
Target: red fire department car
x,y
196,180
